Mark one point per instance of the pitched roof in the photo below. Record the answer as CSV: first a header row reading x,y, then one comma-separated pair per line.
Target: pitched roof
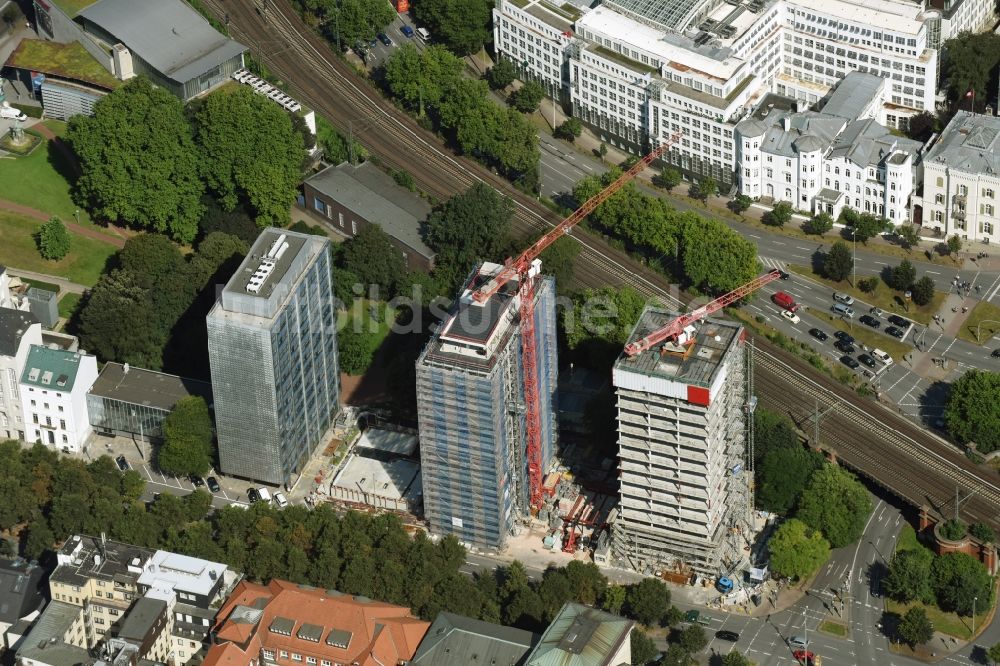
x,y
969,143
314,622
373,195
856,91
865,142
454,640
22,586
13,325
581,636
53,369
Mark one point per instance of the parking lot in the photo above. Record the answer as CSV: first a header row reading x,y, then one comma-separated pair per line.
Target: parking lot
x,y
377,52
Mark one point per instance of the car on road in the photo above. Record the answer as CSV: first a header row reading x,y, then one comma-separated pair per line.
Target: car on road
x,y
818,334
869,320
841,297
384,38
407,31
782,274
844,336
122,463
280,500
726,635
252,495
798,641
867,360
790,316
849,361
996,353
807,658
896,320
197,481
894,332
844,346
213,484
878,312
783,300
843,310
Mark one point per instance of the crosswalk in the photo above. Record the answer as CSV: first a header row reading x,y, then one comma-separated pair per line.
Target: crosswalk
x,y
772,263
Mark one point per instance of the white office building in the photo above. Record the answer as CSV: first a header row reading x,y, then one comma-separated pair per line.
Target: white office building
x,y
54,385
962,179
637,71
19,330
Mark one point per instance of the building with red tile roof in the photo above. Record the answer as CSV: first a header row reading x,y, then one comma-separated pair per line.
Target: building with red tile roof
x,y
296,625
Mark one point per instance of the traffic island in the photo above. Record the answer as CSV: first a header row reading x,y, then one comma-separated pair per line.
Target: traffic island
x,y
834,628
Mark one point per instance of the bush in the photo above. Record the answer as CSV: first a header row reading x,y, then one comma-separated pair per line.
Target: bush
x,y
30,111
404,179
569,130
983,532
818,224
923,291
501,74
53,239
778,216
527,98
953,530
868,285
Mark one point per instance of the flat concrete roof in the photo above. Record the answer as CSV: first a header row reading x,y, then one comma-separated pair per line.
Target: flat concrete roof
x,y
397,479
147,387
389,441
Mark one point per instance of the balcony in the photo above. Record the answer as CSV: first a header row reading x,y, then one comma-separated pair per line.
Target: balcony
x,y
958,213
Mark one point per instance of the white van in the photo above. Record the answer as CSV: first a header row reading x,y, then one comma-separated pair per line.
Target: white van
x,y
280,500
265,496
843,310
423,34
880,355
10,113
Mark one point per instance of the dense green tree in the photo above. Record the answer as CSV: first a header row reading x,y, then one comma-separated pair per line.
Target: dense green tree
x,y
558,259
336,147
676,656
739,204
909,576
782,476
647,601
502,74
915,627
614,599
356,349
902,276
954,244
40,539
53,239
715,258
372,257
569,130
693,639
923,290
348,21
643,647
469,227
839,262
908,235
994,653
669,178
599,323
835,503
818,224
250,153
983,532
779,215
921,126
117,322
957,579
236,222
419,79
462,25
972,59
868,285
704,188
797,550
150,258
138,161
863,225
734,658
772,432
187,439
587,582
972,413
527,98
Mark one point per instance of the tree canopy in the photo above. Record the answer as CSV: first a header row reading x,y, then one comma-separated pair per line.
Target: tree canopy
x,y
782,476
420,79
502,74
648,601
373,258
958,579
835,503
923,290
187,439
54,239
902,276
915,628
797,550
818,224
972,413
527,98
780,215
462,25
599,323
970,64
909,577
138,161
839,262
353,19
251,153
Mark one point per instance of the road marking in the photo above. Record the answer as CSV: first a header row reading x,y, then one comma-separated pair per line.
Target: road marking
x,y
799,247
881,263
753,235
932,272
995,288
778,243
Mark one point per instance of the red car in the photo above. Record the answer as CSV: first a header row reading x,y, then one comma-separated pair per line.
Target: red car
x,y
807,658
785,301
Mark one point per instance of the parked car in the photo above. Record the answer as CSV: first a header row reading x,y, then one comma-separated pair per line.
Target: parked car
x,y
867,360
818,334
782,274
881,356
996,353
264,494
878,312
844,336
790,316
407,31
896,320
869,320
197,481
849,361
846,299
384,38
9,112
122,463
726,635
213,485
280,500
844,346
252,495
894,332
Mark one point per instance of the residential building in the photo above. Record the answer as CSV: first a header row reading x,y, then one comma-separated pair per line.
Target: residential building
x,y
22,598
53,388
109,598
134,402
682,434
284,624
637,72
165,40
471,414
350,197
19,331
962,180
584,636
454,640
826,161
272,347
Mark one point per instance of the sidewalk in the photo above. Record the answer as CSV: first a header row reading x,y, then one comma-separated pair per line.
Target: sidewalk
x,y
65,286
42,216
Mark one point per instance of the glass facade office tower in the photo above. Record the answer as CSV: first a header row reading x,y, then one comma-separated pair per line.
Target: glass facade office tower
x,y
470,405
272,346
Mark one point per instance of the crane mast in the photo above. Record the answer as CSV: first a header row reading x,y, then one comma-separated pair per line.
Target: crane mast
x,y
519,268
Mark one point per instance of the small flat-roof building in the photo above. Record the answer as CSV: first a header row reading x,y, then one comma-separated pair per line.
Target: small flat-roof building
x,y
351,197
133,401
584,636
455,640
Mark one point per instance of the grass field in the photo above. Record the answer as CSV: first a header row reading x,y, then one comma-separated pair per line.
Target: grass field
x,y
884,297
84,263
838,629
947,623
68,304
983,312
865,335
907,539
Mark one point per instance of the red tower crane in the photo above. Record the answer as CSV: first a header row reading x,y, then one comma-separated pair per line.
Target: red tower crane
x,y
677,326
518,268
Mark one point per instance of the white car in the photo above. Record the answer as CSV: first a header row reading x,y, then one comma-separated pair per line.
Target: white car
x,y
790,316
8,112
846,299
280,500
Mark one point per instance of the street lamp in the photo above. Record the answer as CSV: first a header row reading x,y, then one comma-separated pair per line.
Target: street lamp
x,y
974,600
854,258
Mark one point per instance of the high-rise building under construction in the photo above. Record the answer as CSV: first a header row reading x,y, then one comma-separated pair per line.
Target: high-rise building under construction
x,y
471,410
684,443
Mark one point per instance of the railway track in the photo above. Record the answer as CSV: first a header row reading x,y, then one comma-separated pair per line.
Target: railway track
x,y
910,462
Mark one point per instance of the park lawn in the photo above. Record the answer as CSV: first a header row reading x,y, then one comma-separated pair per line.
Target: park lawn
x,y
40,180
907,539
884,296
951,624
833,628
865,335
983,312
84,263
68,304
